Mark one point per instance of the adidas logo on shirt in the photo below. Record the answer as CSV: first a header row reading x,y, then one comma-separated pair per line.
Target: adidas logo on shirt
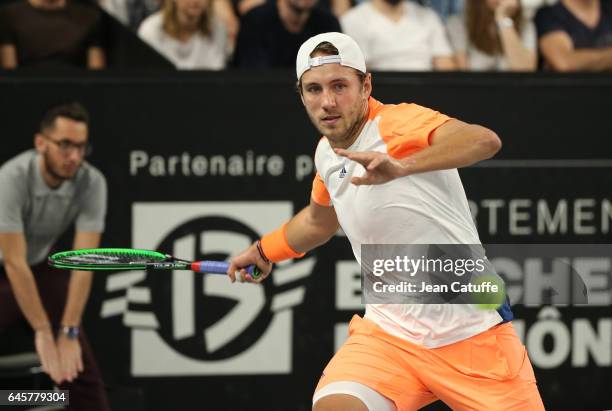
x,y
343,172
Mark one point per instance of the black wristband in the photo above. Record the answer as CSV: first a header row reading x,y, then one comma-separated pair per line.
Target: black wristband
x,y
261,253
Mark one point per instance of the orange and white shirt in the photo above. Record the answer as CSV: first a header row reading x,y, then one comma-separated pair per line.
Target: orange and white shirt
x,y
425,208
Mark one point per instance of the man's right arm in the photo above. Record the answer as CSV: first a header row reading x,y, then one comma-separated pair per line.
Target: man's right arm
x,y
558,51
13,246
311,227
308,229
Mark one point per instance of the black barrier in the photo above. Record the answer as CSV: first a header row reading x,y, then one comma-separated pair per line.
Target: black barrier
x,y
200,164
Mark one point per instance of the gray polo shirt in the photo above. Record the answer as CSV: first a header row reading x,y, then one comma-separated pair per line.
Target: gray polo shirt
x,y
28,205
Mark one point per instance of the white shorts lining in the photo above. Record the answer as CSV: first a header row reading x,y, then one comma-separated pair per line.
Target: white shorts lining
x,y
372,399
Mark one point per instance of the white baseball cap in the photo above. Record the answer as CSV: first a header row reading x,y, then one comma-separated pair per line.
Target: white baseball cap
x,y
350,54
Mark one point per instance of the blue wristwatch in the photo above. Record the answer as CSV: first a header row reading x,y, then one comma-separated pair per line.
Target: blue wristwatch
x,y
72,332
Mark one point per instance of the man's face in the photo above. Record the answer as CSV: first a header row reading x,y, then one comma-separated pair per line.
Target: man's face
x,y
63,147
336,100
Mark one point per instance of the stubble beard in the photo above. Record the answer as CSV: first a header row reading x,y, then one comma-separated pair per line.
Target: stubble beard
x,y
52,170
347,138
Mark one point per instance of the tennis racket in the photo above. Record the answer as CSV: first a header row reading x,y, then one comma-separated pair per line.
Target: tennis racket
x,y
135,259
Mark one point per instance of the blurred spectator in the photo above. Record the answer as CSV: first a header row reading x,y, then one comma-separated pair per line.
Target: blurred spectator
x,y
397,35
188,34
51,33
492,35
133,12
271,34
576,35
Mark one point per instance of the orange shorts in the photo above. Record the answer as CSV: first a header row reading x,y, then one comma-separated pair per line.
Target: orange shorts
x,y
488,371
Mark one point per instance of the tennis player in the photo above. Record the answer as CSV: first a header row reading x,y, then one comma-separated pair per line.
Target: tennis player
x,y
387,174
44,191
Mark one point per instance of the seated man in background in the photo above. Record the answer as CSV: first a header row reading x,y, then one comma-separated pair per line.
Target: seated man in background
x,y
271,34
51,33
399,36
576,35
43,192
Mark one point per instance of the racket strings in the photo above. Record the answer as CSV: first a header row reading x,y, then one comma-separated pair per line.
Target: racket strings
x,y
111,257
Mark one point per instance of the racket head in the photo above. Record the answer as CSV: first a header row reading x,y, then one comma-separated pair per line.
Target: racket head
x,y
106,259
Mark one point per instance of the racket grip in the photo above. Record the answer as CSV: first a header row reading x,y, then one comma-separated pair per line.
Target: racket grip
x,y
220,267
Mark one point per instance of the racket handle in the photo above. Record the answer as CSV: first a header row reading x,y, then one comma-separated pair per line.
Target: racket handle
x,y
220,267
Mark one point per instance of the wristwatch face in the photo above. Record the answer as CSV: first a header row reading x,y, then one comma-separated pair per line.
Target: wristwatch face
x,y
71,332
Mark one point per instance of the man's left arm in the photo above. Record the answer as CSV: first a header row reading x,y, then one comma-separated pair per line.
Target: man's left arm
x,y
78,292
454,144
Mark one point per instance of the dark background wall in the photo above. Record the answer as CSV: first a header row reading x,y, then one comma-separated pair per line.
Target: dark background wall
x,y
201,163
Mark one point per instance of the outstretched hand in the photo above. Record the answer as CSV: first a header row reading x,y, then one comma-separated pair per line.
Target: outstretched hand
x,y
380,167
